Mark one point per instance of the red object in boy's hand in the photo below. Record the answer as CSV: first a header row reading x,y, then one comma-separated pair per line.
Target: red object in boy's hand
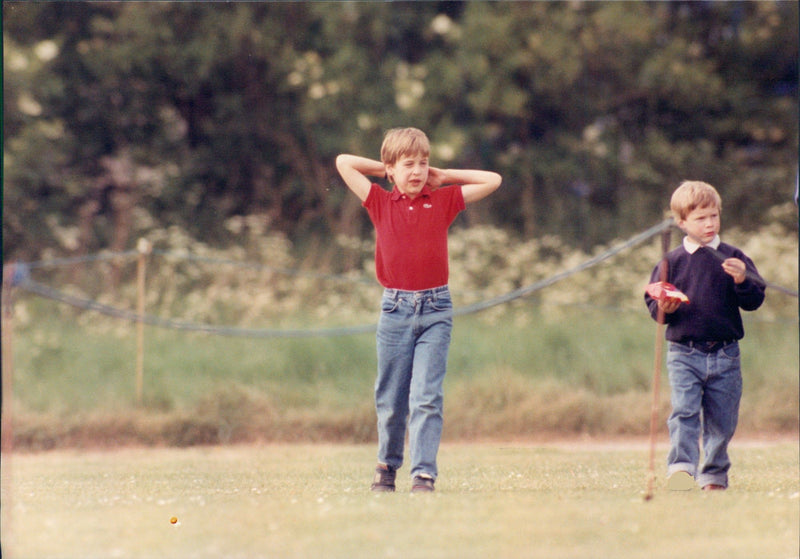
x,y
663,291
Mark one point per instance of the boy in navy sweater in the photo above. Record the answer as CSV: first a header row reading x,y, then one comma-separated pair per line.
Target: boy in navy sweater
x,y
703,354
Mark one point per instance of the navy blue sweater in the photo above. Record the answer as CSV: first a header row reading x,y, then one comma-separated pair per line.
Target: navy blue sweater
x,y
714,299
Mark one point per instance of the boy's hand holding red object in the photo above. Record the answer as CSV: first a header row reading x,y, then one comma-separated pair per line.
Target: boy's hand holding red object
x,y
668,296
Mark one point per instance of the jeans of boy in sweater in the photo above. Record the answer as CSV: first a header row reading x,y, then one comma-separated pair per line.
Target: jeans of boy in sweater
x,y
706,391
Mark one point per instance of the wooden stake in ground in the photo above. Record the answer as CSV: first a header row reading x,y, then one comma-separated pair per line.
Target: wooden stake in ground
x,y
144,249
7,421
659,351
8,359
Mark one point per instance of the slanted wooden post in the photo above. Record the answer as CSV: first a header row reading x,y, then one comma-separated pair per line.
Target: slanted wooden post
x,y
666,236
8,359
7,443
144,248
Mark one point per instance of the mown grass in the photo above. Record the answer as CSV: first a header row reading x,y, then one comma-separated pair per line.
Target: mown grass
x,y
299,501
524,372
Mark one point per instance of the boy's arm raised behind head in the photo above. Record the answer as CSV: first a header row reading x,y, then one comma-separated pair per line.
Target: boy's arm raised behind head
x,y
354,171
475,184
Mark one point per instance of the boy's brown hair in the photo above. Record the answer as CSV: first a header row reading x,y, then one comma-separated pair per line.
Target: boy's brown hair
x,y
691,195
404,141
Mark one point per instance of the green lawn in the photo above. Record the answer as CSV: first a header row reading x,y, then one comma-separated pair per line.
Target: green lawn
x,y
493,500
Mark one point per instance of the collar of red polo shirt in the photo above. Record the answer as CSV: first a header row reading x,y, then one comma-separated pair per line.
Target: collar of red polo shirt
x,y
397,195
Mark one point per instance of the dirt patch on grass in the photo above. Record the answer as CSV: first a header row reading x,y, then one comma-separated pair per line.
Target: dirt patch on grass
x,y
565,422
509,408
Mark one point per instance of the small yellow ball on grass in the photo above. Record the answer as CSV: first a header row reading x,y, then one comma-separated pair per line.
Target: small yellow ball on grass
x,y
173,520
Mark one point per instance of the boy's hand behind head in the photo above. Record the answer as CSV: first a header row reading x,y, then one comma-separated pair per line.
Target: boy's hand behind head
x,y
435,178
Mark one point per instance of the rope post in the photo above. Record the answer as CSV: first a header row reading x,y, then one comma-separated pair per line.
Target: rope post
x,y
666,235
10,274
144,248
8,358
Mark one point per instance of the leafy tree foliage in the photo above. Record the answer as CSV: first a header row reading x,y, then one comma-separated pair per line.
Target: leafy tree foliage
x,y
119,117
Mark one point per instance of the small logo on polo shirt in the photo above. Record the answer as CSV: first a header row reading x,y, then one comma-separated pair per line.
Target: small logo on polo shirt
x,y
427,205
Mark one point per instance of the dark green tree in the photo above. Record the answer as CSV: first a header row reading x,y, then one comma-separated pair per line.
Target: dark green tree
x,y
122,116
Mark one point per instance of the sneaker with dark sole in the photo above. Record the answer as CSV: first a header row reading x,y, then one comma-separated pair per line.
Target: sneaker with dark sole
x,y
422,484
384,479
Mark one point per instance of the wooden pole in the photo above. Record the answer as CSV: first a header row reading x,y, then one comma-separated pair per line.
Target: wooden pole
x,y
659,352
141,271
8,359
7,421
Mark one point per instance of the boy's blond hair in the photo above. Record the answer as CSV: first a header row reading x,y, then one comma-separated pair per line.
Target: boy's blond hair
x,y
399,142
691,195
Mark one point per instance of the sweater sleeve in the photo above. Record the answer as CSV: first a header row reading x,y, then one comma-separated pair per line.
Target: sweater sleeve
x,y
655,276
652,304
751,292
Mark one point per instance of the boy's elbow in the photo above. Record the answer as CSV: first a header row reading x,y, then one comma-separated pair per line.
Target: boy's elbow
x,y
496,181
346,159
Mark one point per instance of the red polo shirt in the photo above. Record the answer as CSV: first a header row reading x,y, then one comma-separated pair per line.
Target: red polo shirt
x,y
411,247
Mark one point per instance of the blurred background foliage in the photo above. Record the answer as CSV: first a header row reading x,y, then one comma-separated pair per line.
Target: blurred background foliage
x,y
210,129
126,118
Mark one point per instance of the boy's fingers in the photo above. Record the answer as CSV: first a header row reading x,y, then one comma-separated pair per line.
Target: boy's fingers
x,y
733,265
669,305
736,269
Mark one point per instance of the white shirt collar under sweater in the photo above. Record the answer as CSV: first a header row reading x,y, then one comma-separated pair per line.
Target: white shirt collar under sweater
x,y
691,246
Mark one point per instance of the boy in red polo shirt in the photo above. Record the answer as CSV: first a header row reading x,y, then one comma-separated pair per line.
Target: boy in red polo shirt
x,y
411,262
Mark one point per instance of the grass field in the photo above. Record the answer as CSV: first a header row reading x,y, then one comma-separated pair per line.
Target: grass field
x,y
498,500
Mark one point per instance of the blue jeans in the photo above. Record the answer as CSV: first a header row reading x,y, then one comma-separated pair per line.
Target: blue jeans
x,y
413,340
706,391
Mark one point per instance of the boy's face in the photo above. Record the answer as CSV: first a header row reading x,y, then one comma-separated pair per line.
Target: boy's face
x,y
701,225
409,173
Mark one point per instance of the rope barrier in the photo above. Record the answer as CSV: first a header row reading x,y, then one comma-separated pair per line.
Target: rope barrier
x,y
104,256
152,320
523,291
262,267
20,277
753,277
99,257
